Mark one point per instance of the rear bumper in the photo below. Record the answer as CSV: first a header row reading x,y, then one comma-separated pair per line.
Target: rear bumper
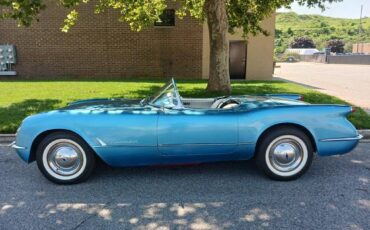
x,y
336,146
359,137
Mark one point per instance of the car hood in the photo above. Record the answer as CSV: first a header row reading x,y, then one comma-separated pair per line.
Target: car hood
x,y
104,103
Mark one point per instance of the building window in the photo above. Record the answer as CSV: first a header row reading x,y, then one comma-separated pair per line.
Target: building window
x,y
166,19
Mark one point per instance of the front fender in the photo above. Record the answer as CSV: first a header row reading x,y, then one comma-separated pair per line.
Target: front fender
x,y
35,125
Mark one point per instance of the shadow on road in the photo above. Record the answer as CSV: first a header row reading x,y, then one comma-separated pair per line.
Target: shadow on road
x,y
334,194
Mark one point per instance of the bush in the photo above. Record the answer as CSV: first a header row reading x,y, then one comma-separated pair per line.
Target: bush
x,y
336,46
302,42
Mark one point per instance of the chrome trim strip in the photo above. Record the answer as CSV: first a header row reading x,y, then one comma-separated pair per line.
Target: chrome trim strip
x,y
171,145
14,146
206,144
102,143
121,146
359,137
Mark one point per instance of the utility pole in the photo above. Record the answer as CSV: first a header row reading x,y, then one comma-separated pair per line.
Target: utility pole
x,y
360,28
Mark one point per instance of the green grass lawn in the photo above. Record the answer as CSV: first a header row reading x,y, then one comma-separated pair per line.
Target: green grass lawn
x,y
19,99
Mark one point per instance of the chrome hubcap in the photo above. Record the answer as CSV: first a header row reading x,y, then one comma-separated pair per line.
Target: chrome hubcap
x,y
65,159
286,155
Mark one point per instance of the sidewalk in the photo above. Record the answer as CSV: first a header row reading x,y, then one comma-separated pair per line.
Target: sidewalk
x,y
348,82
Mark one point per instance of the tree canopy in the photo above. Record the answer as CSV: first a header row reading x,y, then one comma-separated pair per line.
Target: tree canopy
x,y
222,16
245,14
336,46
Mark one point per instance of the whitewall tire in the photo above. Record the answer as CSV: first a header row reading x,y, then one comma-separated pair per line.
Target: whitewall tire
x,y
64,158
285,153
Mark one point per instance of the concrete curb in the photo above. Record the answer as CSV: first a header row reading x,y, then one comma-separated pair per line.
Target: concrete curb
x,y
9,138
6,138
365,133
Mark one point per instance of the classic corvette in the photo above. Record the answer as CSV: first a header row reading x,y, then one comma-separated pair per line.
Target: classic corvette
x,y
281,132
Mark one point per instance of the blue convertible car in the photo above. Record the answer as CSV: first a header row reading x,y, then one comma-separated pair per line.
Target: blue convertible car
x,y
280,132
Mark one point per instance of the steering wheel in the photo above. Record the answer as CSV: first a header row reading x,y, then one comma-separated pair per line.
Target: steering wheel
x,y
228,104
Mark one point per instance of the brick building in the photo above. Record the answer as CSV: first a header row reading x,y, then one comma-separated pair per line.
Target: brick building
x,y
100,46
361,48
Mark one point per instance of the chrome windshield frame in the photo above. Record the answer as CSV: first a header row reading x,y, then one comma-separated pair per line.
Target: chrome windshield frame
x,y
170,84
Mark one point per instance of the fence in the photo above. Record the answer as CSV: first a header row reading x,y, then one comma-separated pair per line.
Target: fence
x,y
349,59
337,59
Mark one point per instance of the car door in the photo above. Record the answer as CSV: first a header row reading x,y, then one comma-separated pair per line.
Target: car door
x,y
197,132
124,137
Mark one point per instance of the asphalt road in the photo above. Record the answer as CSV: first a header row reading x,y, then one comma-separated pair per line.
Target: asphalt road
x,y
349,82
334,194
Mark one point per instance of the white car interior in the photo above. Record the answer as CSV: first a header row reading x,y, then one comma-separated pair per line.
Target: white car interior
x,y
169,97
213,103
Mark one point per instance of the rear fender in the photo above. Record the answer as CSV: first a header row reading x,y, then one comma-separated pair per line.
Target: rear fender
x,y
322,122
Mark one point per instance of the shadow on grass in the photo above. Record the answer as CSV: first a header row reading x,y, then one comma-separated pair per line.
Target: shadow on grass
x,y
190,90
297,83
12,116
238,88
142,92
197,89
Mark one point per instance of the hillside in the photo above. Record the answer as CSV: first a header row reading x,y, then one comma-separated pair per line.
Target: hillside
x,y
320,28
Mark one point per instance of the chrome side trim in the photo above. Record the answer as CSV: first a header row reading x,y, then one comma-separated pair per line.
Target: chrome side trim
x,y
121,146
102,143
359,137
172,145
207,144
14,146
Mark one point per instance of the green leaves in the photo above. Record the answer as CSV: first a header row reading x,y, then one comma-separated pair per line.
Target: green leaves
x,y
23,11
137,13
70,20
291,25
245,14
193,7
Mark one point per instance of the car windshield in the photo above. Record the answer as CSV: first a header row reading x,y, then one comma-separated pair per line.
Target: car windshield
x,y
167,97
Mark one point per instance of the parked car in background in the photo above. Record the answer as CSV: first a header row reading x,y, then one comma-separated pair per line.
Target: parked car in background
x,y
291,59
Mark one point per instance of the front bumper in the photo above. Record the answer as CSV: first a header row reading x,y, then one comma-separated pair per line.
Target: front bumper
x,y
21,151
15,146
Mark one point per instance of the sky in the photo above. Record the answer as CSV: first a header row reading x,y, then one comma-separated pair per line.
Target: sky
x,y
344,9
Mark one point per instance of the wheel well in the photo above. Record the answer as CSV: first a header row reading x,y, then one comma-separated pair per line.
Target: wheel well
x,y
296,126
41,136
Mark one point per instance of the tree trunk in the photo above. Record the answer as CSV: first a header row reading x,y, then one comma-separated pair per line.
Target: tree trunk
x,y
219,79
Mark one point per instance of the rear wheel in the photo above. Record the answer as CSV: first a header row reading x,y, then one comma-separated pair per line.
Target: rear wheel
x,y
64,158
285,153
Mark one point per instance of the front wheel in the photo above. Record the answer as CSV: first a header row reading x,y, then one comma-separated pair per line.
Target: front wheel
x,y
285,154
65,158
